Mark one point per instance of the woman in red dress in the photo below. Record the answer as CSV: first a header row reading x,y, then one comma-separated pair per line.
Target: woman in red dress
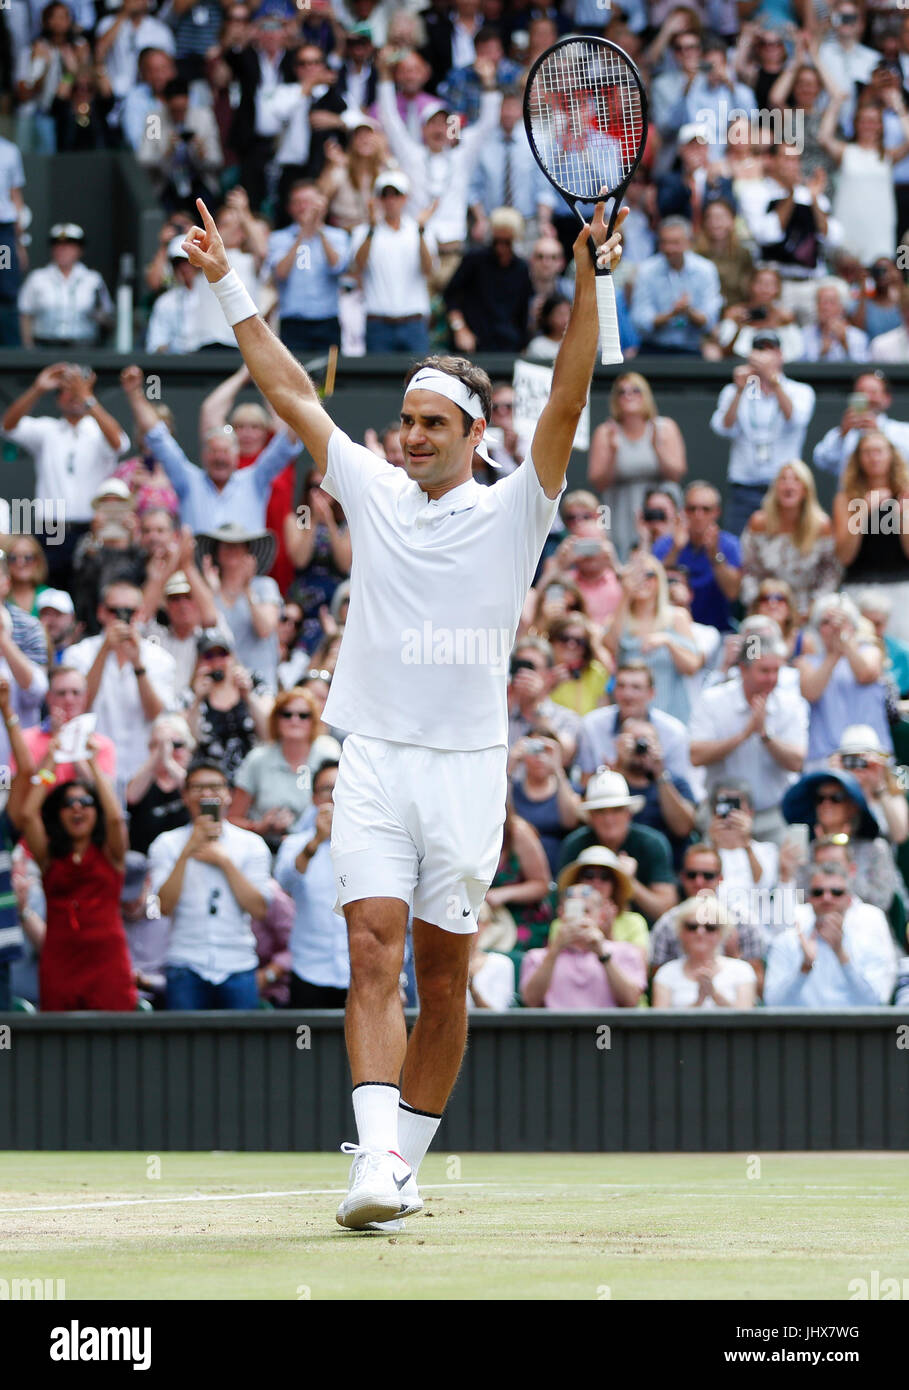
x,y
78,839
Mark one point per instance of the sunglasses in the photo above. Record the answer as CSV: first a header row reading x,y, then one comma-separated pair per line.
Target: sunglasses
x,y
831,892
571,641
125,614
700,926
595,876
708,875
836,797
773,598
73,801
295,714
579,516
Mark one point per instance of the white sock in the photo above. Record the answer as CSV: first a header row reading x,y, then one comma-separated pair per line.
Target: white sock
x,y
416,1131
376,1110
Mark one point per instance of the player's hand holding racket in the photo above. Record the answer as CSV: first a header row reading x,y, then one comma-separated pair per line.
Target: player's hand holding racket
x,y
585,113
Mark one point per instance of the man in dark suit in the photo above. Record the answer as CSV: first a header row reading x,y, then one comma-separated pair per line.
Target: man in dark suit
x,y
449,38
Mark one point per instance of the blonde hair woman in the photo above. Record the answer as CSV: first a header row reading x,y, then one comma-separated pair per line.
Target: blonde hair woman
x,y
348,177
702,977
648,626
630,453
790,535
871,524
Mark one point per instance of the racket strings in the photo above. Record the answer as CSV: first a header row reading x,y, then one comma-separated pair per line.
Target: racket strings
x,y
586,118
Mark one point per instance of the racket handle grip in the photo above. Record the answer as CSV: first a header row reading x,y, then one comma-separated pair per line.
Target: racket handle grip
x,y
607,315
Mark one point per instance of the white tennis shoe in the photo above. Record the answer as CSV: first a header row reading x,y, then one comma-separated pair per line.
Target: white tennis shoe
x,y
381,1188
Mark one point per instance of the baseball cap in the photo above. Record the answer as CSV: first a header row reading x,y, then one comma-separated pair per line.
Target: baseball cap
x,y
765,340
112,487
433,108
859,738
177,584
692,131
57,599
392,179
212,639
66,231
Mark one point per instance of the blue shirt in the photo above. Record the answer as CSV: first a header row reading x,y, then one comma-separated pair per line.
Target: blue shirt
x,y
318,940
529,186
708,603
243,500
462,88
658,287
311,289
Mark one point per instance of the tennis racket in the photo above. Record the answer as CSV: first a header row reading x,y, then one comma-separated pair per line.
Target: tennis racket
x,y
585,113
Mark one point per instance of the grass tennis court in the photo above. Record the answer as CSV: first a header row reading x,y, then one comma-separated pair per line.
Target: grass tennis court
x,y
535,1226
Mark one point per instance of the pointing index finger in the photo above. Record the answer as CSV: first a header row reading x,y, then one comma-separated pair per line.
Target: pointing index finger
x,y
206,216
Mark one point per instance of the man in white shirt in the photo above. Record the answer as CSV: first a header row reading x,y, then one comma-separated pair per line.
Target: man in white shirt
x,y
130,681
861,415
121,37
634,693
441,164
766,416
174,322
212,880
64,304
839,954
754,732
846,62
441,572
394,254
72,455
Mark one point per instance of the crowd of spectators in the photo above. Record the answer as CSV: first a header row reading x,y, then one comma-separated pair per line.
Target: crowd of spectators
x,y
707,694
337,142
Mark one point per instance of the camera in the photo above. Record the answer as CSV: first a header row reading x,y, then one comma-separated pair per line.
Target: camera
x,y
757,315
185,134
217,676
641,747
124,615
210,806
519,665
586,546
727,804
654,514
535,745
851,761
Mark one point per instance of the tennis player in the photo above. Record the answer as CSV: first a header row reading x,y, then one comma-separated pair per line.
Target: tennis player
x,y
441,569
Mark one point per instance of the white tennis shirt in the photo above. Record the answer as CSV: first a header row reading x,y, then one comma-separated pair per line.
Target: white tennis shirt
x,y
437,588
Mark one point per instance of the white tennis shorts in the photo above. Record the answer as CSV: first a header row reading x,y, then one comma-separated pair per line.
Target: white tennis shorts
x,y
420,824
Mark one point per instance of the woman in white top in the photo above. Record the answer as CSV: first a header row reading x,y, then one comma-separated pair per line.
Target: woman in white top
x,y
702,977
864,203
630,453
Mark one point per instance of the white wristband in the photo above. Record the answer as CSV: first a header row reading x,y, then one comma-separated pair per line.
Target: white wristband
x,y
234,298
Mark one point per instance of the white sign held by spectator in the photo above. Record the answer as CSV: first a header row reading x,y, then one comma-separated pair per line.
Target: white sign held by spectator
x,y
532,388
73,739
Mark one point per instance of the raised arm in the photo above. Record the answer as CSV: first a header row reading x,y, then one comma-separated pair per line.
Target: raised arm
x,y
554,434
277,374
218,404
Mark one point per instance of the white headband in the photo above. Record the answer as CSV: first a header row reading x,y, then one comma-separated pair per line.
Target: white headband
x,y
454,390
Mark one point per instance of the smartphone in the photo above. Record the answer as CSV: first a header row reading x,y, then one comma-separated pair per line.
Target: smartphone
x,y
655,514
857,402
798,835
587,546
535,745
727,804
210,806
574,911
555,593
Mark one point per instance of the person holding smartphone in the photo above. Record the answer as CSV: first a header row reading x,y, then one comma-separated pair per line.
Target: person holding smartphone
x,y
582,967
212,879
